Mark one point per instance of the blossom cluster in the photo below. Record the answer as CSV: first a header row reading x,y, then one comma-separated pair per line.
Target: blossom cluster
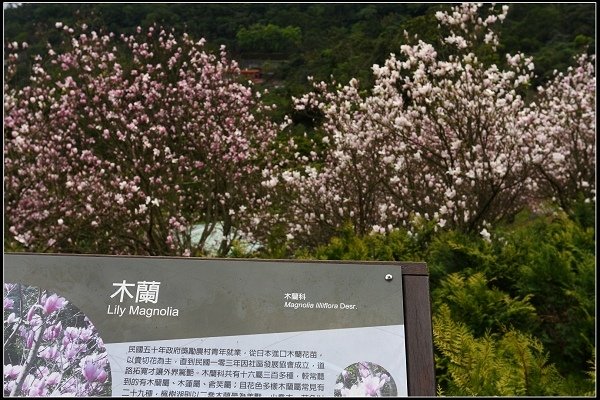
x,y
365,379
442,136
563,146
50,347
123,144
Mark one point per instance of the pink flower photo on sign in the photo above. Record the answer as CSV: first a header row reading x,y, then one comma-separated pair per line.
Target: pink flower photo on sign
x,y
50,347
365,379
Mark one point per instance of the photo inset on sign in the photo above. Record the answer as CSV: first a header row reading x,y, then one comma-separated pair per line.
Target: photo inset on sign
x,y
50,347
365,379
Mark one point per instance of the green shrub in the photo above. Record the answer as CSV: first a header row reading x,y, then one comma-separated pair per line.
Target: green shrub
x,y
507,364
482,308
546,259
398,245
552,259
453,251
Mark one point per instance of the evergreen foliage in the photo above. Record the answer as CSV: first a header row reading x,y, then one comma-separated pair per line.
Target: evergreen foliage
x,y
340,39
481,306
513,316
506,364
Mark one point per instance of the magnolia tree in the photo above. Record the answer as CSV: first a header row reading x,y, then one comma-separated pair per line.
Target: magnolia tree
x,y
563,149
325,189
50,347
440,137
123,145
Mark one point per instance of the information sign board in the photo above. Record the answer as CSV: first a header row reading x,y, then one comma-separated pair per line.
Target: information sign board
x,y
174,327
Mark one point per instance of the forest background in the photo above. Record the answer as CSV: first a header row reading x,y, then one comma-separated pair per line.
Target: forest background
x,y
513,303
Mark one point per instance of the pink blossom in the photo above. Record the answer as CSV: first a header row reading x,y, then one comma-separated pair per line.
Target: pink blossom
x,y
72,350
372,385
85,334
34,387
70,385
12,318
8,303
72,333
9,386
52,332
31,312
41,371
36,320
53,378
37,388
53,303
90,369
12,371
102,376
49,353
363,370
29,339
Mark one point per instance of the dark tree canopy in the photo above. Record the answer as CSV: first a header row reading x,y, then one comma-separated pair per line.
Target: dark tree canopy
x,y
317,39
